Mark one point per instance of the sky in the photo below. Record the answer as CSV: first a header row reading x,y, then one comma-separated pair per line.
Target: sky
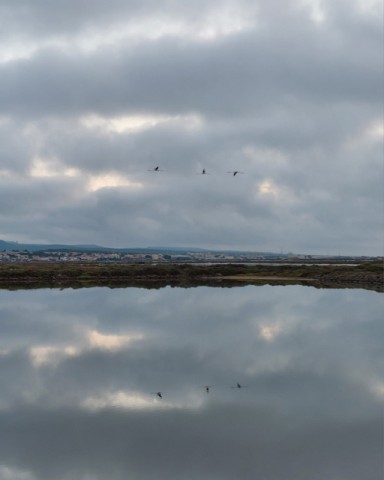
x,y
93,95
79,369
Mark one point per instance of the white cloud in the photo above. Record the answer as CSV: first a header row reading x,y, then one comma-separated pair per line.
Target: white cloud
x,y
373,7
137,401
377,388
376,130
53,355
137,123
270,332
370,134
49,355
12,473
111,180
211,23
110,342
315,9
43,167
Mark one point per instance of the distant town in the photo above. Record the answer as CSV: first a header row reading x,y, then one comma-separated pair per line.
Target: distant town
x,y
19,253
79,256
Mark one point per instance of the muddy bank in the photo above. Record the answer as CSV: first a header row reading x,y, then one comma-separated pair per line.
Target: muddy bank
x,y
64,275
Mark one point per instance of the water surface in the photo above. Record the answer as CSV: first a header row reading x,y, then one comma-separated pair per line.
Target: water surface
x,y
79,372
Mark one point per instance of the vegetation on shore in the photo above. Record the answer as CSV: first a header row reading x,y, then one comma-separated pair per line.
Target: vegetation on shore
x,y
68,275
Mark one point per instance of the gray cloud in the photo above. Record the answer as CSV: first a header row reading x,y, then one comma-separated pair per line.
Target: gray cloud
x,y
294,102
230,76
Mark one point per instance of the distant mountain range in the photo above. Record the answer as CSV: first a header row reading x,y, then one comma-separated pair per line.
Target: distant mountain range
x,y
38,247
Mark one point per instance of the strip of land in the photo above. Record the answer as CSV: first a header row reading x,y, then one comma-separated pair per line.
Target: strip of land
x,y
63,275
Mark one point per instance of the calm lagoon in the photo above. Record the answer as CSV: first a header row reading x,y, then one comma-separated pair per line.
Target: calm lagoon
x,y
80,371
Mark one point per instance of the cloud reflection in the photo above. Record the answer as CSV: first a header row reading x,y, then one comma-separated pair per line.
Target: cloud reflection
x,y
80,370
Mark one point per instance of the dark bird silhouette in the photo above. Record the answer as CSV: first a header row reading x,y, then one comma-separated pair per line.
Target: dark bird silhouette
x,y
207,387
159,394
203,172
238,385
155,169
235,172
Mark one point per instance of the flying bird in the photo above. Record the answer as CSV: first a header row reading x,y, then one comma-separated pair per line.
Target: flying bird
x,y
235,172
238,385
155,169
207,387
159,394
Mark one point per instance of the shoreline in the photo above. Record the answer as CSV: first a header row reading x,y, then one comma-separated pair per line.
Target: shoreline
x,y
15,276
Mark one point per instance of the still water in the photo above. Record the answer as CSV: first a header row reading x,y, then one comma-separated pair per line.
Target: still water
x,y
80,371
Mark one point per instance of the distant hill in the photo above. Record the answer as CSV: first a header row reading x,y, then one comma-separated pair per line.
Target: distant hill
x,y
38,247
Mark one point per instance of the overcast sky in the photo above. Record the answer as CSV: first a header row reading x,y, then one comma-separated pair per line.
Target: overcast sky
x,y
94,94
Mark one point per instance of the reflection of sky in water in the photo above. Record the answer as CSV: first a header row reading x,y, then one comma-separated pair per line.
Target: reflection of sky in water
x,y
79,370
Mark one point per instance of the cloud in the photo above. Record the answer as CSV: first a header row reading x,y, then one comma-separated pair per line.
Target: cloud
x,y
92,100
